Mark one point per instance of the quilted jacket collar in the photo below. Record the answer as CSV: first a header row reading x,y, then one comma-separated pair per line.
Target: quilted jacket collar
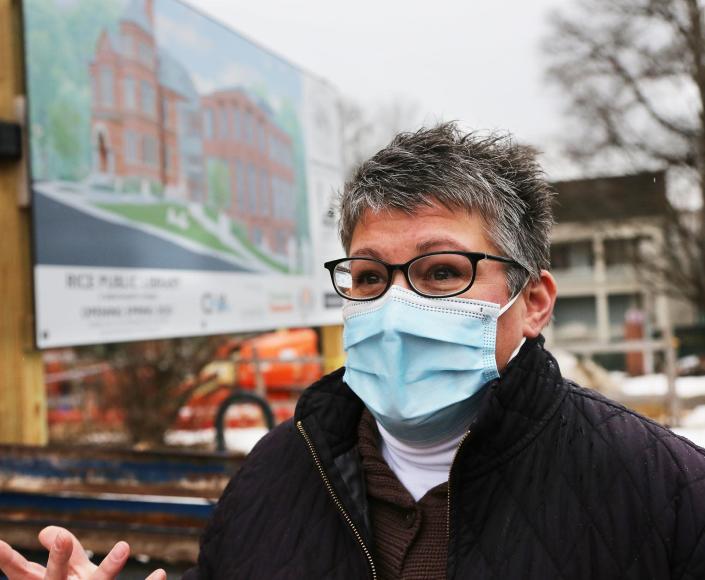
x,y
514,409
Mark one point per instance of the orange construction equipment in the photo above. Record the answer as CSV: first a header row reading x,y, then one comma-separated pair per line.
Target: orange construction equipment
x,y
277,366
287,359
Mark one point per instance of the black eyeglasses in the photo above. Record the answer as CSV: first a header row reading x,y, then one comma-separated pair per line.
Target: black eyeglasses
x,y
435,275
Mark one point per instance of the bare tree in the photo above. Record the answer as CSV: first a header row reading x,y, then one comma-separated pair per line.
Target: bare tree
x,y
633,72
154,379
366,129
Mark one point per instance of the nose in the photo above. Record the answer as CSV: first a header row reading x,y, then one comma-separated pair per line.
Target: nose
x,y
398,279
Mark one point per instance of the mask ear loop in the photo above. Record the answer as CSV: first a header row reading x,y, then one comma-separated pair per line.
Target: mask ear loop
x,y
509,304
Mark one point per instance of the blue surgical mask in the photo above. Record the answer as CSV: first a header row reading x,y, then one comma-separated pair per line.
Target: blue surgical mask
x,y
416,362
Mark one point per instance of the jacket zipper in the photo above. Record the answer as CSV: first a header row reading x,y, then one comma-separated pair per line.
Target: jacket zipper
x,y
450,472
336,500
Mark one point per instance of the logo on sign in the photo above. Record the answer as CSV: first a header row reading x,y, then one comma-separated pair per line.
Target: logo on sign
x,y
214,303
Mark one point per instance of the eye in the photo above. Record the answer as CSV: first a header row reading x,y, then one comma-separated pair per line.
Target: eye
x,y
440,273
368,278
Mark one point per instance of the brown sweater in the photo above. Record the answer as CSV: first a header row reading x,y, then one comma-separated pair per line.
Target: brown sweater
x,y
411,541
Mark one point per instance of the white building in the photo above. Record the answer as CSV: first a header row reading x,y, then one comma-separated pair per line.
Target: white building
x,y
601,224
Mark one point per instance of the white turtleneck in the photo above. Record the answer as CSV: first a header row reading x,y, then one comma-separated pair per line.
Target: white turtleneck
x,y
420,468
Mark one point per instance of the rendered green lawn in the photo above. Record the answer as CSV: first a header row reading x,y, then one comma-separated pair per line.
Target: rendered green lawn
x,y
155,215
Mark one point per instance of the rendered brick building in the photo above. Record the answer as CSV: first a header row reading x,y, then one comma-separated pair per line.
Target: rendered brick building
x,y
154,134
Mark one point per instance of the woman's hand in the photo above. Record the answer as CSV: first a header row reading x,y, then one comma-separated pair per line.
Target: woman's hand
x,y
67,560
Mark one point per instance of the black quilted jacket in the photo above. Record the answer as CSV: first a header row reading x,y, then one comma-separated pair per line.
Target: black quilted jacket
x,y
553,481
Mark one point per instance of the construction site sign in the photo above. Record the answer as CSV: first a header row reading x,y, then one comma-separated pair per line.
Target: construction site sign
x,y
182,176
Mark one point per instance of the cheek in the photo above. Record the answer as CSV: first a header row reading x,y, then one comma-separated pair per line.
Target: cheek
x,y
495,293
509,333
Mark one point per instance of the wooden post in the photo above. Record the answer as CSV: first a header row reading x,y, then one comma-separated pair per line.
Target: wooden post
x,y
332,348
260,387
22,391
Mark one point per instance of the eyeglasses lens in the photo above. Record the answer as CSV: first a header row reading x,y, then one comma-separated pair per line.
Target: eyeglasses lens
x,y
360,278
434,275
441,274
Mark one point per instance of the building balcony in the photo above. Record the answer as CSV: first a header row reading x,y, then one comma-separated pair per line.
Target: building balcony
x,y
574,332
585,280
577,279
621,275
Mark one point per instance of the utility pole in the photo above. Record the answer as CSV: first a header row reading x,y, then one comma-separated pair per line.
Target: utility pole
x,y
22,392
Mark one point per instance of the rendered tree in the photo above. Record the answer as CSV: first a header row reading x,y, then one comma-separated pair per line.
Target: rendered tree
x,y
219,184
633,72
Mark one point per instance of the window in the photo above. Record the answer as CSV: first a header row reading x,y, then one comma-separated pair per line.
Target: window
x,y
249,137
208,123
621,251
106,87
130,147
128,44
252,188
224,129
275,196
287,199
168,161
193,121
282,239
148,98
149,151
572,255
240,186
265,208
620,306
166,112
259,136
237,124
146,54
575,318
195,186
129,93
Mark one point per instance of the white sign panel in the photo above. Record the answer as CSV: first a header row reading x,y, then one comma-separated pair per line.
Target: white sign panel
x,y
183,177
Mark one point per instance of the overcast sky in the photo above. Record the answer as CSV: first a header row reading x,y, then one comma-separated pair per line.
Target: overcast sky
x,y
476,61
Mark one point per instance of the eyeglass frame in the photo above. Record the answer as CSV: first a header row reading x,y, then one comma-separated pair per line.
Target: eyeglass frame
x,y
474,258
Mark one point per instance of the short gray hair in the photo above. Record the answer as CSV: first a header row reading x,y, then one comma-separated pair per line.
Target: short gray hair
x,y
488,174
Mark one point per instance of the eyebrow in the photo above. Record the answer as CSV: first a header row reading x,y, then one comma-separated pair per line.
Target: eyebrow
x,y
441,243
422,247
366,253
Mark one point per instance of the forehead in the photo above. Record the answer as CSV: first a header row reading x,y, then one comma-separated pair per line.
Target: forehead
x,y
396,235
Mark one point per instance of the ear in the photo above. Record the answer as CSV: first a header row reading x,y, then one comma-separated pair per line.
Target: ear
x,y
539,299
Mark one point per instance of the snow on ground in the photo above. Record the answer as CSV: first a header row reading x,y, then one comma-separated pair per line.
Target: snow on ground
x,y
654,385
236,439
692,424
697,436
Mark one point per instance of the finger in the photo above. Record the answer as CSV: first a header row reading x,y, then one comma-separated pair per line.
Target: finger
x,y
15,566
113,562
79,561
59,555
158,574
